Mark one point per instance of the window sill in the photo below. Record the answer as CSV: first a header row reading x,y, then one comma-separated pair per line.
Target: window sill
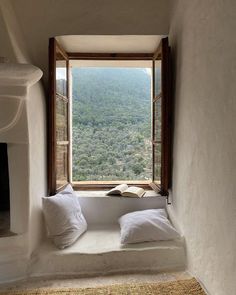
x,y
107,185
102,194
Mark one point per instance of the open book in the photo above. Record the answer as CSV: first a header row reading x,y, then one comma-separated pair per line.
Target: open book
x,y
125,191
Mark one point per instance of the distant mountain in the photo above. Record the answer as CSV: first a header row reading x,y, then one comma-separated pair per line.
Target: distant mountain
x,y
111,124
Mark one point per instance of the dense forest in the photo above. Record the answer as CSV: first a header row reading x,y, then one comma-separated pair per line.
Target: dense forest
x,y
111,124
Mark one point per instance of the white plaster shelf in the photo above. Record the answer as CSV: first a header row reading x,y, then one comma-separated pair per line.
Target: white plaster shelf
x,y
99,251
15,74
15,80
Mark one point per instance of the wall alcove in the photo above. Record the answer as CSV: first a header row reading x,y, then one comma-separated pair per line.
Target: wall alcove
x,y
5,194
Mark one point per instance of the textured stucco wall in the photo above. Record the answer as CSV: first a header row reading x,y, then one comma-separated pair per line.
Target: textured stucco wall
x,y
13,45
40,20
5,48
202,36
15,49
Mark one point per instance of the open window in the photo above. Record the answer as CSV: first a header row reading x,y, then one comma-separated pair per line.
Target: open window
x,y
58,119
161,118
60,114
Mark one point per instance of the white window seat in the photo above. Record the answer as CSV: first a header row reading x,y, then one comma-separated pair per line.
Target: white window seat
x,y
99,251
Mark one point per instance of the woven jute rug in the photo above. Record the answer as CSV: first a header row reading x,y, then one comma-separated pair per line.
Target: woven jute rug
x,y
181,287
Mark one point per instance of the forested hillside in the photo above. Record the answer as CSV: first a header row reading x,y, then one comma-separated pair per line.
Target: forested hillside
x,y
111,124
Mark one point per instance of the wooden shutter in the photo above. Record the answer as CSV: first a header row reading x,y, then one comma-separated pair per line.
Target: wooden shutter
x,y
161,119
58,118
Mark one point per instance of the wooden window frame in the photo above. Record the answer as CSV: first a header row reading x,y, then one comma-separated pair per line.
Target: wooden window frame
x,y
54,47
163,53
166,119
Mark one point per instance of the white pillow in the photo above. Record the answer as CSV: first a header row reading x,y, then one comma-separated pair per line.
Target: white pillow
x,y
64,219
146,225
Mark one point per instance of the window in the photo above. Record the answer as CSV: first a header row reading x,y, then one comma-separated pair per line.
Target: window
x,y
58,122
61,151
161,118
111,121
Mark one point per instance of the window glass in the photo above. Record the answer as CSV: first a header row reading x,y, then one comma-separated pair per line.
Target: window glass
x,y
61,118
61,165
157,158
111,124
157,114
61,75
157,77
157,121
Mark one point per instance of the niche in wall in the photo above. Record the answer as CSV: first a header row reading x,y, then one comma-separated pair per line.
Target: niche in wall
x,y
5,191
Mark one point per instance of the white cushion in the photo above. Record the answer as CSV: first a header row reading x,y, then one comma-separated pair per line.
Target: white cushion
x,y
146,225
64,219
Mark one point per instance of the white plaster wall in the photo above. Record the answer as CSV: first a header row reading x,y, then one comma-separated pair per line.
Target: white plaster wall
x,y
37,159
40,20
32,169
14,34
202,36
100,209
5,48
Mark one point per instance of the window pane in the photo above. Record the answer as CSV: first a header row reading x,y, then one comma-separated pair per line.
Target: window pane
x,y
157,122
61,119
61,75
111,124
157,125
157,158
157,77
61,165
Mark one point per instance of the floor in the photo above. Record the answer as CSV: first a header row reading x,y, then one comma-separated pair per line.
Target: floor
x,y
73,282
